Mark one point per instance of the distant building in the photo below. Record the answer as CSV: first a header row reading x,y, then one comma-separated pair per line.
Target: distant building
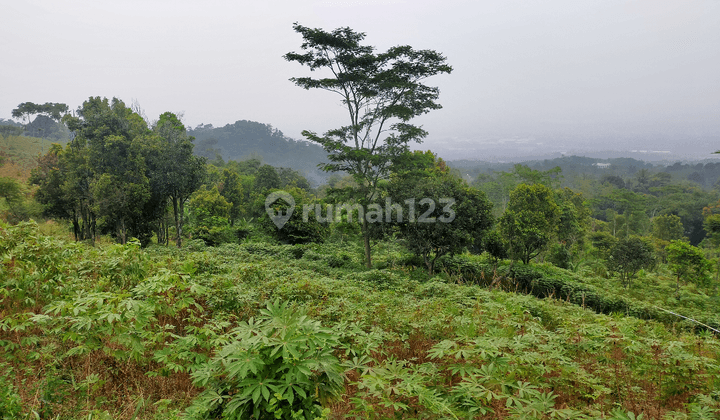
x,y
602,165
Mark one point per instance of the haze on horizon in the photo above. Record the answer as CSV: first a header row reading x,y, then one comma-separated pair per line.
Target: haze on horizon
x,y
558,75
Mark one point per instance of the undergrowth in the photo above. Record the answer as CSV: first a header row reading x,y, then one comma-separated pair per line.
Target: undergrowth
x,y
278,331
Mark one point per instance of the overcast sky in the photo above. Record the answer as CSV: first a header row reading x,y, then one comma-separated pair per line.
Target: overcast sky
x,y
625,70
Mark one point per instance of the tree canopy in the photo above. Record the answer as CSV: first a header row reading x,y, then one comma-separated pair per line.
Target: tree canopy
x,y
687,262
51,109
530,221
118,175
630,255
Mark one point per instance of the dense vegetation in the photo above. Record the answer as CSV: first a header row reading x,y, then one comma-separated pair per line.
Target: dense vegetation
x,y
117,331
159,332
245,140
397,289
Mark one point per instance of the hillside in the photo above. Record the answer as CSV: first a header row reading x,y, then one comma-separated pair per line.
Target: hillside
x,y
575,292
248,139
18,154
119,332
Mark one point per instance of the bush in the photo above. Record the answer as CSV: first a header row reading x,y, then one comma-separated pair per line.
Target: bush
x,y
295,230
545,281
195,245
380,279
560,256
280,365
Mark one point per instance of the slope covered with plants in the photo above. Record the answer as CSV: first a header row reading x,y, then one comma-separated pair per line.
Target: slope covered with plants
x,y
115,331
396,290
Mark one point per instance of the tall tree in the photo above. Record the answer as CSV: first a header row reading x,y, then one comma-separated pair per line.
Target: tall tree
x,y
51,110
382,93
178,171
50,179
667,227
266,179
109,172
231,188
574,217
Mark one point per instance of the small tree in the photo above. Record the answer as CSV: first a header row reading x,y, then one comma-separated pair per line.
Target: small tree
x,y
530,221
209,213
687,262
18,206
449,217
628,256
667,227
232,190
494,244
603,243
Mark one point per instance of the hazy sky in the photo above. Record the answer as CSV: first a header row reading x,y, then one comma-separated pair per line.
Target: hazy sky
x,y
577,70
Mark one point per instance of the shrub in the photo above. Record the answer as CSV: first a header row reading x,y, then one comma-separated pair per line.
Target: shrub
x,y
280,365
560,256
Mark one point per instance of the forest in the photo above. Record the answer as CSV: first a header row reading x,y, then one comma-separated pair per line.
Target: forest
x,y
143,277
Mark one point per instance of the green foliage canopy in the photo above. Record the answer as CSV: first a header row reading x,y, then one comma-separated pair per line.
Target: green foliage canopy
x,y
449,217
530,221
667,227
178,172
628,256
209,213
687,262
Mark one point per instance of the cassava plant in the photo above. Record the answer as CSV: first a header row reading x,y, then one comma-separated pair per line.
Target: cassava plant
x,y
278,366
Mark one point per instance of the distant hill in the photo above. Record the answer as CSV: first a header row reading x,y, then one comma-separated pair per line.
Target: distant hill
x,y
18,154
706,172
470,169
46,128
250,139
41,126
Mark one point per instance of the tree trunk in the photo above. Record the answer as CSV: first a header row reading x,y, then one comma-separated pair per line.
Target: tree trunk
x,y
432,262
76,226
178,232
178,212
181,215
92,228
123,232
163,230
160,231
366,240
